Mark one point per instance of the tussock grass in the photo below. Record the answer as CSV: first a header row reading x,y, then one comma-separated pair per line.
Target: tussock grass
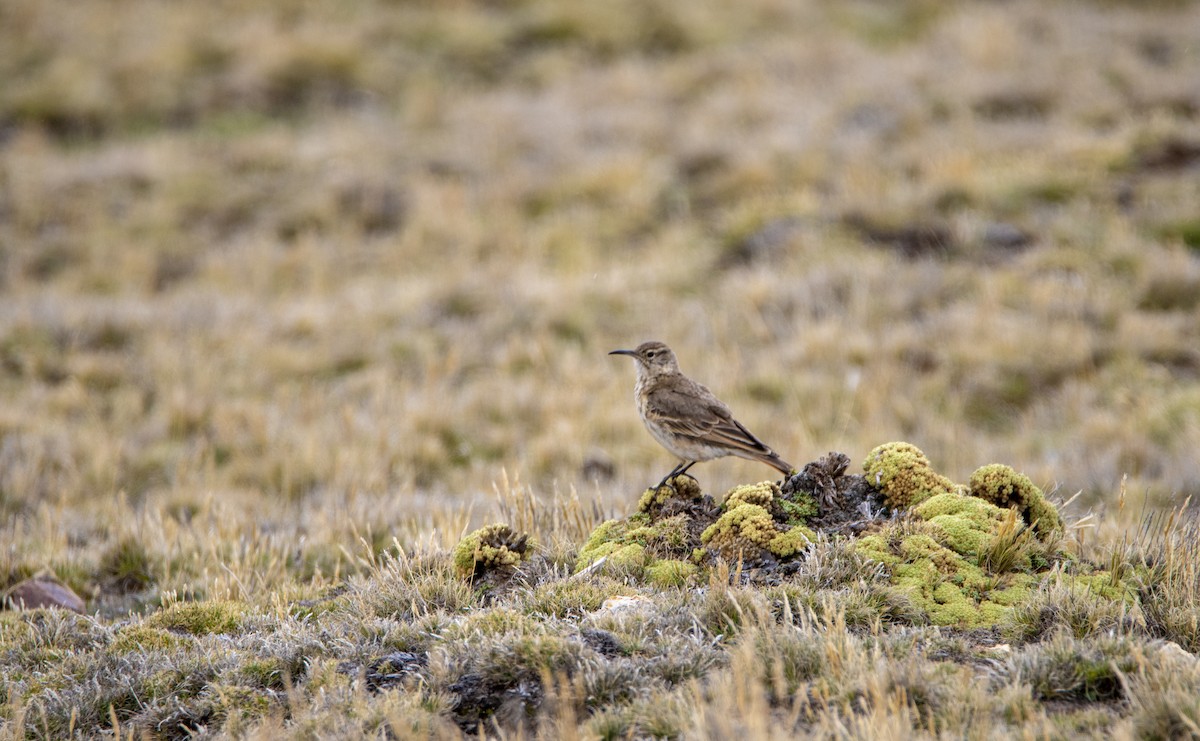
x,y
294,297
393,652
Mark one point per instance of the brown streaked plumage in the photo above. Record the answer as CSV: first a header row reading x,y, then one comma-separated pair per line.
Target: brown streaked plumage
x,y
686,418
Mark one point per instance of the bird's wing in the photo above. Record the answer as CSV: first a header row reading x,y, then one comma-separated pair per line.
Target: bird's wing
x,y
696,413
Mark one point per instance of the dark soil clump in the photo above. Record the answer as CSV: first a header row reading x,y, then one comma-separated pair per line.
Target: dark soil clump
x,y
846,503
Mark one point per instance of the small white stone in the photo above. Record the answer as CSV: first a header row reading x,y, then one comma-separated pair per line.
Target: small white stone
x,y
626,602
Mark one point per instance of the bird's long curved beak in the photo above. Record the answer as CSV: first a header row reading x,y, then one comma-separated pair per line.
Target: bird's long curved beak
x,y
631,353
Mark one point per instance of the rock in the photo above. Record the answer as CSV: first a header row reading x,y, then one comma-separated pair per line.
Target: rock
x,y
41,591
1175,651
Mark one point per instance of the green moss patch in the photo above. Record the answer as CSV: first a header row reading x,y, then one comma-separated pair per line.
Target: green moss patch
x,y
947,586
680,488
200,618
630,545
953,555
495,548
676,527
963,524
622,541
763,494
141,637
964,555
740,529
902,472
669,572
1003,486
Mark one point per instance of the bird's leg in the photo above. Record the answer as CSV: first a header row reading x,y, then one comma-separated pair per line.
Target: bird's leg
x,y
670,475
666,478
677,470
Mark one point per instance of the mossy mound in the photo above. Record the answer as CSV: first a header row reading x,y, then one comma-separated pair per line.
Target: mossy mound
x,y
740,532
764,494
747,530
677,528
678,494
949,587
961,559
1003,486
492,550
904,475
634,545
622,542
961,523
669,572
965,555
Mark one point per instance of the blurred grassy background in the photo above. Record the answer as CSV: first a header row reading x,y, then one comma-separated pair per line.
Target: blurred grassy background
x,y
278,277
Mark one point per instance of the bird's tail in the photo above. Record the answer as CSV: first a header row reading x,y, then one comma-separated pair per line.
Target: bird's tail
x,y
773,459
742,442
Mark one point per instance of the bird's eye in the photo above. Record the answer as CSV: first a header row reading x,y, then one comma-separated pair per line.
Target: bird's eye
x,y
650,354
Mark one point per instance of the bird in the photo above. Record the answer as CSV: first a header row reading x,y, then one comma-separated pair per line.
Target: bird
x,y
686,418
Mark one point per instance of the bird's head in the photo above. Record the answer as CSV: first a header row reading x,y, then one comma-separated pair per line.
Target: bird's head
x,y
653,358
